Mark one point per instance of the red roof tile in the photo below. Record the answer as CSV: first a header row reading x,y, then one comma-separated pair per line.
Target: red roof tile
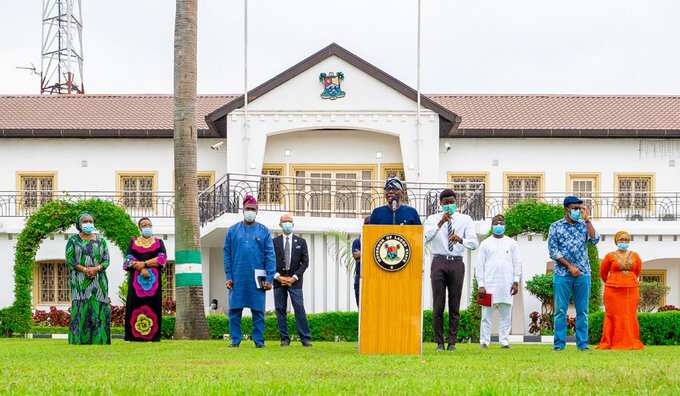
x,y
563,111
497,112
125,112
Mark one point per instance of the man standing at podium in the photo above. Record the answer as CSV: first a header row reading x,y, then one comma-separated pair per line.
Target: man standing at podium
x,y
449,233
394,212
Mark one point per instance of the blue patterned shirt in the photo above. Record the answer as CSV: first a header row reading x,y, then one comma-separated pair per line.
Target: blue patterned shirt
x,y
568,240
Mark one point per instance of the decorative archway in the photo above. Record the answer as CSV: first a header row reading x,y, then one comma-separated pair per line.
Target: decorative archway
x,y
112,221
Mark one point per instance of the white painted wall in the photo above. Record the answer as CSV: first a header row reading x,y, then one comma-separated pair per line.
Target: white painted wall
x,y
556,157
104,158
332,147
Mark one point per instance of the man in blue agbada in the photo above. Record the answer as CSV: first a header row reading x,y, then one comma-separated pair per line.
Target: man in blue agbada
x,y
249,265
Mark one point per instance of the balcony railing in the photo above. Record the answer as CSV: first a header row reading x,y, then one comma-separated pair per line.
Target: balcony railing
x,y
350,198
136,203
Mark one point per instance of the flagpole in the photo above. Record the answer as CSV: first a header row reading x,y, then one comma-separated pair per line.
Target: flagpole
x,y
246,137
418,90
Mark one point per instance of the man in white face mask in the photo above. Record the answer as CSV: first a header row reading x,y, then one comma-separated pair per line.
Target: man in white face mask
x,y
292,260
248,250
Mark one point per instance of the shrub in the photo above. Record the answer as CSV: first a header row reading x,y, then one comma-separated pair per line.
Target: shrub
x,y
595,303
651,294
58,215
117,315
531,216
666,308
657,328
541,286
11,321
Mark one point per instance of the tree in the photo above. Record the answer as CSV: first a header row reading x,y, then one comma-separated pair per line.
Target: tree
x,y
190,321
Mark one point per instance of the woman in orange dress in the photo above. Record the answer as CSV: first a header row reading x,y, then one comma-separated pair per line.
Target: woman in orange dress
x,y
620,270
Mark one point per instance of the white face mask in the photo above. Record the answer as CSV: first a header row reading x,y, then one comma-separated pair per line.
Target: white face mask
x,y
249,215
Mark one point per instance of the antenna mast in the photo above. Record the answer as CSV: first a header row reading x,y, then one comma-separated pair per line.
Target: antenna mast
x,y
61,69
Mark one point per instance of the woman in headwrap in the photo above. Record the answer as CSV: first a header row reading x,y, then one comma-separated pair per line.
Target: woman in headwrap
x,y
620,271
145,259
87,257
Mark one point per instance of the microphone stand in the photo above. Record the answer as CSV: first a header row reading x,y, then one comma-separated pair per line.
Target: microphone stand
x,y
394,211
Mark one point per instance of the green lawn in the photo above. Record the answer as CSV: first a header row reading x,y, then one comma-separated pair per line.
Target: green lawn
x,y
209,368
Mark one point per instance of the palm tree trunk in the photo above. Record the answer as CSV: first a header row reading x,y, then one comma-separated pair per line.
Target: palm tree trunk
x,y
190,320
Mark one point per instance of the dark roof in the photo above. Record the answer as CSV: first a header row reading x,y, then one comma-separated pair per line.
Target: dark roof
x,y
98,115
448,119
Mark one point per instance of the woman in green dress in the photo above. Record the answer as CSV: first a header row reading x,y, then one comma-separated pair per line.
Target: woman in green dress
x,y
87,257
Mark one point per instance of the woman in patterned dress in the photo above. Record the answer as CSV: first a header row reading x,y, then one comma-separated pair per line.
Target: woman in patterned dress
x,y
144,261
87,257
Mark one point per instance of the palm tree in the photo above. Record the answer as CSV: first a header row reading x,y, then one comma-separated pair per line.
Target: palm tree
x,y
190,319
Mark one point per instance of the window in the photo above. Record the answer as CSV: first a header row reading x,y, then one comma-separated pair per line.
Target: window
x,y
270,184
51,278
587,187
137,189
658,276
341,192
36,188
520,187
470,189
634,192
205,180
394,170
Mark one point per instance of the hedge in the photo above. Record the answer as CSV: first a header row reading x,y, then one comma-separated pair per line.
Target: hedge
x,y
656,328
110,219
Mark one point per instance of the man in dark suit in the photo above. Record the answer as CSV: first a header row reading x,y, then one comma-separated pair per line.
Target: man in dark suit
x,y
292,260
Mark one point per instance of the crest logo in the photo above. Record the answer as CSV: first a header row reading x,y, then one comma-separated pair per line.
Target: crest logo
x,y
392,252
331,85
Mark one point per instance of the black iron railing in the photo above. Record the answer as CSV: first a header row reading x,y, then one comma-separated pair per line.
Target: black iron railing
x,y
136,203
343,198
317,197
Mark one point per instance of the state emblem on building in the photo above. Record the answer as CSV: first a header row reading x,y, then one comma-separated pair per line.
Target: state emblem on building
x,y
331,85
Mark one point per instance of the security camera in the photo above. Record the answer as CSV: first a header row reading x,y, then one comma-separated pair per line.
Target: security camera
x,y
216,146
447,146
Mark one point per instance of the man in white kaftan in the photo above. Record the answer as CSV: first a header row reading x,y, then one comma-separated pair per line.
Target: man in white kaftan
x,y
498,273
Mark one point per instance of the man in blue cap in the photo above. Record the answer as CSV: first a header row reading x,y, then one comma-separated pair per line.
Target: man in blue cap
x,y
567,246
394,212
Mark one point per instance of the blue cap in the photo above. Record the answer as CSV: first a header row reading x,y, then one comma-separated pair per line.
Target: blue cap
x,y
572,199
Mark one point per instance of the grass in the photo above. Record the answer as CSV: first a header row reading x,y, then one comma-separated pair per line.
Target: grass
x,y
52,367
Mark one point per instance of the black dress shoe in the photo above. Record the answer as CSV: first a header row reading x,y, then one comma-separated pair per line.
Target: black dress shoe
x,y
259,345
285,343
440,347
451,347
306,343
233,345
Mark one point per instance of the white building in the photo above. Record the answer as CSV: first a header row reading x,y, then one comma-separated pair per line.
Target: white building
x,y
323,160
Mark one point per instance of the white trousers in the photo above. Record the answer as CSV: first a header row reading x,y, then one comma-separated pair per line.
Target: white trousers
x,y
504,323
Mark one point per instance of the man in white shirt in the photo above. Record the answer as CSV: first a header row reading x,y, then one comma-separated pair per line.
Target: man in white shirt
x,y
498,272
449,233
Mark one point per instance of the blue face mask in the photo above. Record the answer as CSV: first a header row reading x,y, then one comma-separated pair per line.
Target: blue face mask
x,y
450,208
623,245
287,227
87,228
498,229
575,214
147,231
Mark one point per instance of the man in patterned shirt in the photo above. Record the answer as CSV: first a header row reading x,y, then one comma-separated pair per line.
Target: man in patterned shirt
x,y
567,246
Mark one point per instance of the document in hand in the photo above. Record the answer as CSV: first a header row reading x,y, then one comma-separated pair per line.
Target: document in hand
x,y
484,299
260,278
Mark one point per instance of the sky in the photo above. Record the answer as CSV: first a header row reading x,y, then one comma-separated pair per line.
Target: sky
x,y
471,46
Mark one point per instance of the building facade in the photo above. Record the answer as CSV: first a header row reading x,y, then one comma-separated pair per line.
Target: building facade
x,y
317,140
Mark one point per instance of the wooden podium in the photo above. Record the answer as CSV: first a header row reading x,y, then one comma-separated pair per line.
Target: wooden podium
x,y
391,313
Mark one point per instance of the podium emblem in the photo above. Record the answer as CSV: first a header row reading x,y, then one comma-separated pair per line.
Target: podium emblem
x,y
392,252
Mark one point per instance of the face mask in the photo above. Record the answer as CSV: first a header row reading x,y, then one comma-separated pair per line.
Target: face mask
x,y
575,214
623,245
87,228
287,227
450,208
249,215
498,229
147,231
